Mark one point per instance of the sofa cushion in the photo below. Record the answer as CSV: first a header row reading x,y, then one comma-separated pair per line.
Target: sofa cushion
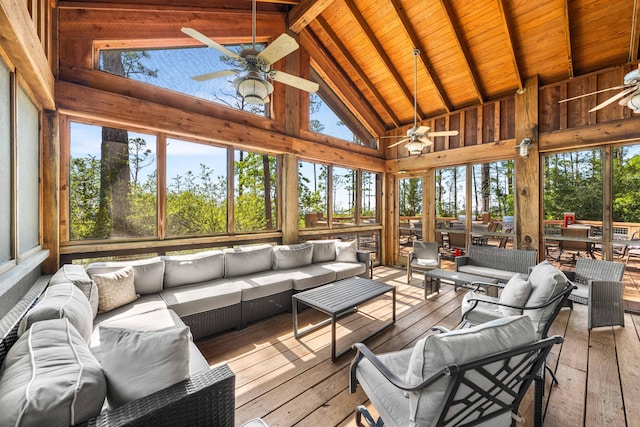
x,y
515,292
478,270
247,260
292,256
148,273
77,275
347,251
64,300
141,305
193,268
323,250
50,377
482,312
434,352
546,282
192,299
344,269
139,363
260,285
310,276
115,289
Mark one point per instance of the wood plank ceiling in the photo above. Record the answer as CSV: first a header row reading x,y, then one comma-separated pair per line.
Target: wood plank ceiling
x,y
471,52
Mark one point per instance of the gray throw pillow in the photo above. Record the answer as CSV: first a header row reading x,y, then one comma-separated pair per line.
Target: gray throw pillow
x,y
148,273
516,292
76,274
292,256
50,378
193,268
64,300
139,363
247,260
323,250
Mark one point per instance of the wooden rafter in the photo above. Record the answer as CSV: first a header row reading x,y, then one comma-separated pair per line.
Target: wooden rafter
x,y
406,25
377,47
567,37
305,12
455,30
635,32
512,51
324,62
359,71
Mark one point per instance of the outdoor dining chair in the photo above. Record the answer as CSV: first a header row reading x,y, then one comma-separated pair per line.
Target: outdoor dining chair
x,y
425,256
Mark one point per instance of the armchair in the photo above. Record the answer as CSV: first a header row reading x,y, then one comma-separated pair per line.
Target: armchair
x,y
469,376
425,256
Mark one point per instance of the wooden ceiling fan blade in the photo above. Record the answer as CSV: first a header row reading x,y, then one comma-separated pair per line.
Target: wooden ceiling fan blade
x,y
613,99
214,75
593,93
421,130
206,40
399,142
295,81
443,133
279,48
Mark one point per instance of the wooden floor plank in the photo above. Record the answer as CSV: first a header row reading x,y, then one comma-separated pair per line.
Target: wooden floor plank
x,y
294,382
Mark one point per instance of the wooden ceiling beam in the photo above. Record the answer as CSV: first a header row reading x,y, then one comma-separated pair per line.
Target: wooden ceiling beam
x,y
455,30
567,37
305,12
324,63
510,42
271,5
411,34
377,47
359,71
635,32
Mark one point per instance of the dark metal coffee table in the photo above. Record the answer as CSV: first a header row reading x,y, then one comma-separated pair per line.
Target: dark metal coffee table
x,y
337,299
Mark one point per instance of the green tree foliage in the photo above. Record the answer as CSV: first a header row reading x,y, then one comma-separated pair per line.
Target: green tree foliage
x,y
626,172
410,197
255,192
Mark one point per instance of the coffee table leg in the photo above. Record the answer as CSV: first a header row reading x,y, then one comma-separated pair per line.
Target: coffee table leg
x,y
333,337
394,305
294,311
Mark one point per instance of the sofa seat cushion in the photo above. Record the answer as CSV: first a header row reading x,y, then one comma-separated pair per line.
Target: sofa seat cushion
x,y
64,300
50,378
482,312
193,268
390,402
310,276
247,259
143,304
478,270
148,273
260,285
200,297
345,269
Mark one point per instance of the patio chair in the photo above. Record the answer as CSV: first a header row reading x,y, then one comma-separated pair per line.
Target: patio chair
x,y
457,241
464,377
425,256
576,248
416,229
599,285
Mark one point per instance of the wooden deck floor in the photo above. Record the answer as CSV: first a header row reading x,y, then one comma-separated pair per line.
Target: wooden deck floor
x,y
289,382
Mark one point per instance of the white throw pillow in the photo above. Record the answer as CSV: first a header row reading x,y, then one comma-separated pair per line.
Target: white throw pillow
x,y
347,251
516,292
64,300
50,378
115,289
139,363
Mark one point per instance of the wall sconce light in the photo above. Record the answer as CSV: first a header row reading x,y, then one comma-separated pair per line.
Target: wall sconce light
x,y
524,146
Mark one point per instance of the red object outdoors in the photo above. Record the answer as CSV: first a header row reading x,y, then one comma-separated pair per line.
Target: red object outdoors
x,y
569,218
458,253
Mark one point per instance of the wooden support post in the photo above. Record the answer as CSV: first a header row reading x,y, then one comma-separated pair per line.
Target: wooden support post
x,y
528,209
50,188
289,199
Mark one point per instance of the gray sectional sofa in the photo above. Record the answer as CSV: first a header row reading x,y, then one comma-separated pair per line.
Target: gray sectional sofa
x,y
122,333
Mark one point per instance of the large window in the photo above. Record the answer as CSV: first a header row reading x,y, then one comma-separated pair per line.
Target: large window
x,y
344,195
450,194
196,188
369,197
112,183
313,179
173,68
255,184
410,206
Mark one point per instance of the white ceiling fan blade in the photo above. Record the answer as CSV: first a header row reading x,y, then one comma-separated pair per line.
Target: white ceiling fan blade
x,y
593,93
206,40
614,98
421,130
294,81
425,141
443,133
215,75
625,101
399,142
279,48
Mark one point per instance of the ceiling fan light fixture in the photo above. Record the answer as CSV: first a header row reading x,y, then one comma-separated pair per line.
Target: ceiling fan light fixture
x,y
415,147
253,89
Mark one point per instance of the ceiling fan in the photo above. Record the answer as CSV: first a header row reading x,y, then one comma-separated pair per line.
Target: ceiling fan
x,y
629,96
418,137
253,86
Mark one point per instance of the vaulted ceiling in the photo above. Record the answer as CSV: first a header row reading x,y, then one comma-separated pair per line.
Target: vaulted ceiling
x,y
471,52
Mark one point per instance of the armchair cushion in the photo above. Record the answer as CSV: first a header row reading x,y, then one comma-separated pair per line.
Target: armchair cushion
x,y
546,282
483,311
434,352
515,292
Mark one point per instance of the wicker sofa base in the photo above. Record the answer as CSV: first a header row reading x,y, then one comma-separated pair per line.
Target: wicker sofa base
x,y
214,321
261,308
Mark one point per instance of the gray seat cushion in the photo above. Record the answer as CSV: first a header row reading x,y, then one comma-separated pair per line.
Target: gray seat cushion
x,y
141,305
247,260
292,256
310,276
482,312
76,274
494,273
546,282
201,297
193,268
345,269
148,274
260,285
